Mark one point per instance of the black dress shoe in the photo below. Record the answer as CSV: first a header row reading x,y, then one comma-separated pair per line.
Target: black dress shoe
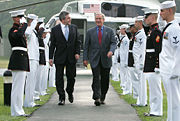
x,y
97,102
148,114
102,102
61,102
70,98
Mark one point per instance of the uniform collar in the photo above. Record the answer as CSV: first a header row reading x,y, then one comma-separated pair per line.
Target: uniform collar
x,y
16,25
154,26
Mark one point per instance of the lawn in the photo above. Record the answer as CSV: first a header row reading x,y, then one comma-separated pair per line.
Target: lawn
x,y
5,114
140,110
4,62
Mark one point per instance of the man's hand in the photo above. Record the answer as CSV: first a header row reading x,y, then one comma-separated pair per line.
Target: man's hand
x,y
157,70
109,55
85,62
77,56
23,20
51,62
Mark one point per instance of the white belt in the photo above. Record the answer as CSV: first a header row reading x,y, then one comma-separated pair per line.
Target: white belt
x,y
41,48
130,51
150,50
20,48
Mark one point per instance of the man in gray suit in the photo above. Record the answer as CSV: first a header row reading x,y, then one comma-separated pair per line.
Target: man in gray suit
x,y
99,47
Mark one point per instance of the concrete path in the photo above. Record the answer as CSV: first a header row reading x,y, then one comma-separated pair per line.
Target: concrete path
x,y
83,108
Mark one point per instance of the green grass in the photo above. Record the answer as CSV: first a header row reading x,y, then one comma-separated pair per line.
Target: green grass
x,y
4,62
140,110
5,114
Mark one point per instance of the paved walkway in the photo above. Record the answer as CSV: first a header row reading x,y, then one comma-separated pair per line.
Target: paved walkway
x,y
83,108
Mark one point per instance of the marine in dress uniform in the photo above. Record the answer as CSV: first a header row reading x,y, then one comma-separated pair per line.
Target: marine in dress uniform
x,y
19,62
33,51
168,55
139,57
124,49
115,57
132,76
151,66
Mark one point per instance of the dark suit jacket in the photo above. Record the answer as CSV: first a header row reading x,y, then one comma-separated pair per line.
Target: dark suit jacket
x,y
63,50
94,52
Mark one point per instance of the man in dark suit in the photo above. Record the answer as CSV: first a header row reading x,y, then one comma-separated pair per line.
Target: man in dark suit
x,y
65,51
99,46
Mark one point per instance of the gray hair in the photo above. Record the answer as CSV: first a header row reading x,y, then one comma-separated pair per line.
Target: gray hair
x,y
63,15
103,16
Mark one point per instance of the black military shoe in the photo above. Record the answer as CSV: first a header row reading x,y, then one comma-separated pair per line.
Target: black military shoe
x,y
148,115
26,115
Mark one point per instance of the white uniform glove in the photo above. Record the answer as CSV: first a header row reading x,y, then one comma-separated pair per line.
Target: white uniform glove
x,y
23,20
157,70
34,23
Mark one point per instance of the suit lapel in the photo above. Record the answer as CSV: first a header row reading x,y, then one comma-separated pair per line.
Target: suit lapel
x,y
104,35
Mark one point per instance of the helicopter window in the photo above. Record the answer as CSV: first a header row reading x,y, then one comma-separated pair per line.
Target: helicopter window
x,y
73,7
52,23
120,10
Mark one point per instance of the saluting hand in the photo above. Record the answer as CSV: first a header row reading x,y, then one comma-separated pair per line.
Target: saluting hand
x,y
109,55
51,62
77,56
85,62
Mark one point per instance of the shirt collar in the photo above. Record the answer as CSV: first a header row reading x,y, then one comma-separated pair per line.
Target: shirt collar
x,y
101,27
63,26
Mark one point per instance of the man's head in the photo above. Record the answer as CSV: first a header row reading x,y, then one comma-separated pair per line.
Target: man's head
x,y
123,28
139,22
31,17
168,9
132,28
65,18
150,16
17,15
99,19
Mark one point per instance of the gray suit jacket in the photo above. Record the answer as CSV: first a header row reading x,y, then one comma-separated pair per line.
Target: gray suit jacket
x,y
95,52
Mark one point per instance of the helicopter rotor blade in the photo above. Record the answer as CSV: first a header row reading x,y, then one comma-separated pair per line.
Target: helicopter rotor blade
x,y
26,5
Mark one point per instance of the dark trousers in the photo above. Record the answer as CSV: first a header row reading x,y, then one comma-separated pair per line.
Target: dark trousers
x,y
100,83
70,74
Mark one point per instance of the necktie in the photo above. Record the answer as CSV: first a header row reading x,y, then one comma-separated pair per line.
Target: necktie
x,y
66,34
100,36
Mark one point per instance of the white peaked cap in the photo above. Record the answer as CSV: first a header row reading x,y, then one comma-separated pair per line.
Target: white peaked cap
x,y
131,23
41,19
139,18
149,11
32,16
124,26
17,13
167,4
